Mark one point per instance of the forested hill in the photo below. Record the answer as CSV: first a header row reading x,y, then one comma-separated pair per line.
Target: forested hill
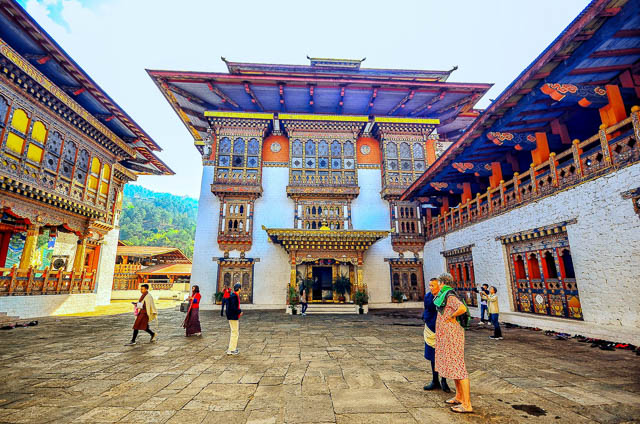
x,y
158,219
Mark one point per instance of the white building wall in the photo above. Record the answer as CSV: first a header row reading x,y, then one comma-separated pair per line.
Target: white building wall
x,y
66,245
204,271
273,210
106,265
605,247
42,306
370,212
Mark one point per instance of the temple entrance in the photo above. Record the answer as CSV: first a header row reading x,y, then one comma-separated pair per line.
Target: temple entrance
x,y
322,286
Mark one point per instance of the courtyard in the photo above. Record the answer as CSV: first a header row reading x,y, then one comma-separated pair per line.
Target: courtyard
x,y
293,369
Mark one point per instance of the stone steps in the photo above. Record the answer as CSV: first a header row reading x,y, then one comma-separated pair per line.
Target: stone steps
x,y
329,308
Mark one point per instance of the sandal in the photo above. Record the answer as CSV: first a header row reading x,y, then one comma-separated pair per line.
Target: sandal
x,y
452,401
461,409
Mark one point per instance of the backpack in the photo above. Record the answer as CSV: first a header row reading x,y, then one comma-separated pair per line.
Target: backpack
x,y
465,319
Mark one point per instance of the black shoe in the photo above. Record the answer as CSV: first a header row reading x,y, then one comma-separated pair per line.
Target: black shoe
x,y
434,385
445,386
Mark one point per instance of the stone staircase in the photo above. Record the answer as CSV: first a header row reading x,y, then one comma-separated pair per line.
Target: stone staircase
x,y
331,308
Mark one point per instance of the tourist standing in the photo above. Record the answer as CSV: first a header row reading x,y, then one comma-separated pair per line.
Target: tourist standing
x,y
192,320
429,316
147,312
303,300
233,315
225,299
484,290
494,312
449,353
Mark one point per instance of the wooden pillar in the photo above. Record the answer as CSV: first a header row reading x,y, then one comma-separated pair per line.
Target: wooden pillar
x,y
614,112
29,249
541,153
445,205
466,192
496,174
362,285
558,128
431,152
292,281
78,261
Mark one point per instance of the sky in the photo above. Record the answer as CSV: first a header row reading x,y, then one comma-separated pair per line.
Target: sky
x,y
114,41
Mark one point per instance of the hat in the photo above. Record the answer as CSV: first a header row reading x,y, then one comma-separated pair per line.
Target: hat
x,y
237,286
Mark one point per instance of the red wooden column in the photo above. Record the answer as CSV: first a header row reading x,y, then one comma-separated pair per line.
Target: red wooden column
x,y
496,174
5,238
541,153
431,152
466,192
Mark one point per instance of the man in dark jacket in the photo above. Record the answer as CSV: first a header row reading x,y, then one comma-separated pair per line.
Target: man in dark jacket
x,y
233,315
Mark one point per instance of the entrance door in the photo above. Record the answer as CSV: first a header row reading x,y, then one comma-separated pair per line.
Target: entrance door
x,y
322,286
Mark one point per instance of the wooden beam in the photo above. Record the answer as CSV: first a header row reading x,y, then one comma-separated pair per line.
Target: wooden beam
x,y
429,103
372,99
402,102
225,99
254,99
283,106
615,53
341,101
599,69
627,33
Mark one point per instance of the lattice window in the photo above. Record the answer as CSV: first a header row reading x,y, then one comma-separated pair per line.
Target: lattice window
x,y
407,277
17,132
543,278
235,217
404,161
231,273
53,150
406,218
320,161
238,159
68,159
82,166
313,214
35,150
4,111
460,266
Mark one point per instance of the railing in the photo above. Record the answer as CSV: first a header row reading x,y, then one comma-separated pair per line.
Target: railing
x,y
612,148
125,277
31,281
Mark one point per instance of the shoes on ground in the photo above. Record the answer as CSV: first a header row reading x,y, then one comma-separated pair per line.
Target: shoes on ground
x,y
495,338
154,338
434,385
232,352
130,344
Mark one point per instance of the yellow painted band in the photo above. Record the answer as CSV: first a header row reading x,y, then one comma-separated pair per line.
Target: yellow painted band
x,y
309,117
398,120
247,115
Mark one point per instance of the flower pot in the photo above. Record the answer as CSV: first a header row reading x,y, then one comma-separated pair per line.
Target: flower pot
x,y
218,302
294,310
360,310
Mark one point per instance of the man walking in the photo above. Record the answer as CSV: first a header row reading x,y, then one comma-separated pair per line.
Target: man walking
x,y
484,291
233,315
146,312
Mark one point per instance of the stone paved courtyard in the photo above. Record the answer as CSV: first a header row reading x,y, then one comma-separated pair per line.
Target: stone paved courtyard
x,y
292,369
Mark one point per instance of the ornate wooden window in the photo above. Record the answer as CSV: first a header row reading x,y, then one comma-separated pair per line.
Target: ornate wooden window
x,y
406,218
68,159
232,271
35,150
4,112
542,274
460,266
404,161
407,277
238,159
235,226
17,132
312,214
320,161
94,176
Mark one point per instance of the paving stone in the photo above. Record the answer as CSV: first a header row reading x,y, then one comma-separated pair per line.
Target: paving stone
x,y
342,369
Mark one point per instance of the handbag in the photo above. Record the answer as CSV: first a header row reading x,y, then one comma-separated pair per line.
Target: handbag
x,y
429,337
135,310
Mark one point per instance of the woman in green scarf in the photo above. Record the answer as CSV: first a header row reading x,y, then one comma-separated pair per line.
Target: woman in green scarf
x,y
450,342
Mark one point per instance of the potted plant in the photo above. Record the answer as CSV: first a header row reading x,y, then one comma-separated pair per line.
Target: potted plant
x,y
342,285
293,300
397,296
218,298
361,298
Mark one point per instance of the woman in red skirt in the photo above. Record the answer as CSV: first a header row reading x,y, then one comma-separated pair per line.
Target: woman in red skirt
x,y
192,320
147,312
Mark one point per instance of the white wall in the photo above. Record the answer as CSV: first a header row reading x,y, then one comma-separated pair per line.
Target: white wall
x,y
370,212
605,247
106,265
45,305
66,244
204,270
273,210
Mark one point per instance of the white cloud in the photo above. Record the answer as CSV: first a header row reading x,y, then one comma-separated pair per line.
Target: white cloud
x,y
114,41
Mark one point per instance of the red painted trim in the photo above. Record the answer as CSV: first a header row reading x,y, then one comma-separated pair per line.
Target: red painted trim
x,y
627,33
